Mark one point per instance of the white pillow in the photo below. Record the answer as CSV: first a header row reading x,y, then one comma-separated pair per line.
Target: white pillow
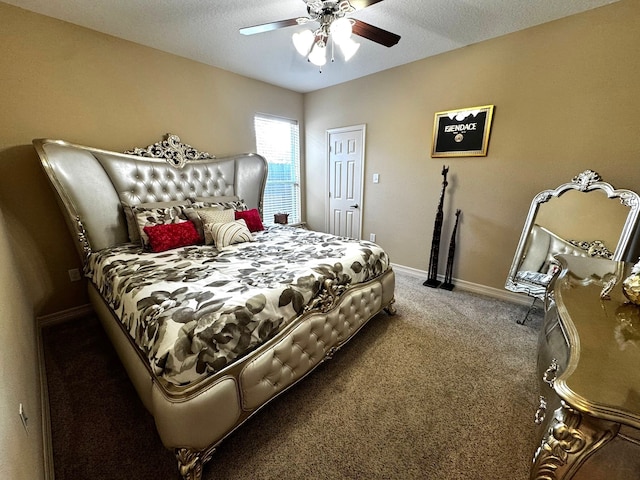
x,y
225,234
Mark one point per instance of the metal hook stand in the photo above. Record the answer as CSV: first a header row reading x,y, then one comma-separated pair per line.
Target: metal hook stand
x,y
433,281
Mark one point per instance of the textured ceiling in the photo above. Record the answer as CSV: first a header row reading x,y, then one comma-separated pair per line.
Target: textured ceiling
x,y
207,31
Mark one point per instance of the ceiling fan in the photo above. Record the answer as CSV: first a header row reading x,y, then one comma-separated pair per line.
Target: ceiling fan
x,y
334,24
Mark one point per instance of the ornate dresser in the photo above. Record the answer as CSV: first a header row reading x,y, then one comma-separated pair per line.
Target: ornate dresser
x,y
589,370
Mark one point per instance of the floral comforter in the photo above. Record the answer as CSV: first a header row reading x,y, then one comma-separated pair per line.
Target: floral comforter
x,y
194,310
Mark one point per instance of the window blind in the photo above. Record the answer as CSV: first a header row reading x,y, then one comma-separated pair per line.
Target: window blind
x,y
277,139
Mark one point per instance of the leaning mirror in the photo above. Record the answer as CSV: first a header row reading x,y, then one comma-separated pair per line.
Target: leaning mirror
x,y
585,217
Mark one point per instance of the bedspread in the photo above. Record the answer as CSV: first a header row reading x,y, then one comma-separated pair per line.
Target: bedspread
x,y
194,310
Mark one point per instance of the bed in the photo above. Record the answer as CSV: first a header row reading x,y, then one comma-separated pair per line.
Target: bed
x,y
211,313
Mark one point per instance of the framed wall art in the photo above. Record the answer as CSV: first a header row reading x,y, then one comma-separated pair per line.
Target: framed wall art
x,y
462,133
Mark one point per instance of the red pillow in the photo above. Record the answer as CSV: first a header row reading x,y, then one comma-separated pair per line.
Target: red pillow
x,y
252,217
172,235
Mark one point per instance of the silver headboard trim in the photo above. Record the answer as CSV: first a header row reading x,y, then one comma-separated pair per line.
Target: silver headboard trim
x,y
82,238
172,150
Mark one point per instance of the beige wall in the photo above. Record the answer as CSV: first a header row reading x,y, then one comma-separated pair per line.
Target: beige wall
x,y
58,80
22,454
567,99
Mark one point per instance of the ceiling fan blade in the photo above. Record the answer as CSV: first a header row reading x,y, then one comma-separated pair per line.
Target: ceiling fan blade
x,y
267,27
360,4
378,35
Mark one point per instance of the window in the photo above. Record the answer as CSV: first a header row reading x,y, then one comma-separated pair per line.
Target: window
x,y
277,140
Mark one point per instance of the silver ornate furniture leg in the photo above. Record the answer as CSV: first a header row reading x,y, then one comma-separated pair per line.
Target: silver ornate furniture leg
x,y
191,462
570,438
391,309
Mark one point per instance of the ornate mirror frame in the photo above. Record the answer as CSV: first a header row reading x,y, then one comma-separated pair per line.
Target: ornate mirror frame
x,y
586,181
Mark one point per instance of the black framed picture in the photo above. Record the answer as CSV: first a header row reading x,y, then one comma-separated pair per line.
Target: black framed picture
x,y
462,133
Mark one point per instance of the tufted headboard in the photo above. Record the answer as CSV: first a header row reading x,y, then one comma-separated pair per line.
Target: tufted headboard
x,y
91,184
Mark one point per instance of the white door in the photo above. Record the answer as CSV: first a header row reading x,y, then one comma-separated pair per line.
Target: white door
x,y
346,159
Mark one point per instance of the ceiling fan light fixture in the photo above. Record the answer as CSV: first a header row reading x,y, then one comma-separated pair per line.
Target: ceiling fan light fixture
x,y
303,41
318,55
334,27
349,48
341,29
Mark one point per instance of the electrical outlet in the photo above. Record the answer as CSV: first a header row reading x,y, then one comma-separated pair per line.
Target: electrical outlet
x,y
372,237
23,417
74,275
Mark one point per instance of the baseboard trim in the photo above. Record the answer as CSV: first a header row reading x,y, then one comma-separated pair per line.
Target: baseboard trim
x,y
64,315
497,293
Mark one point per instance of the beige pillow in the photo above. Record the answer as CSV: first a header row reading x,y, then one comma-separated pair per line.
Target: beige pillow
x,y
225,234
218,199
214,215
191,213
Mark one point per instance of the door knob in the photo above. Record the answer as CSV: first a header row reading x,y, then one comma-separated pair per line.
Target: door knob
x,y
354,206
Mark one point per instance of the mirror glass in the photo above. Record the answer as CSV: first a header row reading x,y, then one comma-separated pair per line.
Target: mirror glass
x,y
586,217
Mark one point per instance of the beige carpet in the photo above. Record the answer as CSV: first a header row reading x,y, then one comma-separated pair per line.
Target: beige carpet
x,y
446,389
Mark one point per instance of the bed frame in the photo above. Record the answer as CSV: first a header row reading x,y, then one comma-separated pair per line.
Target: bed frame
x,y
91,183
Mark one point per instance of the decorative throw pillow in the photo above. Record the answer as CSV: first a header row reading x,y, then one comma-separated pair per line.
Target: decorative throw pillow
x,y
130,215
227,202
216,199
148,217
225,234
214,215
172,235
252,217
192,214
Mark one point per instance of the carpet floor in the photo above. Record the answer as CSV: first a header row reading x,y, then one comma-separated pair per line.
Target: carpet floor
x,y
445,389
